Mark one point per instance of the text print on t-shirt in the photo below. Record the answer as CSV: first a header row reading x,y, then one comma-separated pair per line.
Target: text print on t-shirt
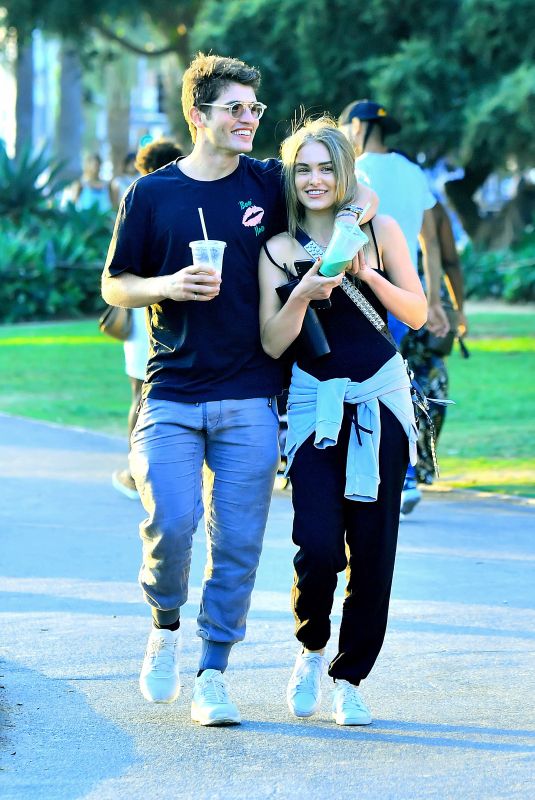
x,y
252,216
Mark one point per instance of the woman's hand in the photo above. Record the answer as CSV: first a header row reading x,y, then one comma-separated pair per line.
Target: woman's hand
x,y
314,286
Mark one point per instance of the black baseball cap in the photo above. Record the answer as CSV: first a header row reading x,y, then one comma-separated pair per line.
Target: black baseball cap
x,y
368,111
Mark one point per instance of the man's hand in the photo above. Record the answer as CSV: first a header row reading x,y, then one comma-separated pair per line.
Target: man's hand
x,y
192,283
462,324
437,321
358,265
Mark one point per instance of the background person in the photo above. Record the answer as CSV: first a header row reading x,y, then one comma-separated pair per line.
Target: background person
x,y
451,263
404,194
92,191
120,183
149,158
427,361
350,421
136,347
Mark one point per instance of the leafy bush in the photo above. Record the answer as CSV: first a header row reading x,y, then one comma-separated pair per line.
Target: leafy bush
x,y
50,258
507,274
28,184
50,267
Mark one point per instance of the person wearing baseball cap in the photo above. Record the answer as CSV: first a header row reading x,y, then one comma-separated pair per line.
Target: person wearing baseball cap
x,y
368,111
404,194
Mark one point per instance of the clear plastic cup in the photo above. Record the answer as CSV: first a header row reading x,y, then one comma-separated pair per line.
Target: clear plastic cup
x,y
345,243
208,253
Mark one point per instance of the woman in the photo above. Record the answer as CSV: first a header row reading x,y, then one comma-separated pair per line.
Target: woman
x,y
351,425
91,191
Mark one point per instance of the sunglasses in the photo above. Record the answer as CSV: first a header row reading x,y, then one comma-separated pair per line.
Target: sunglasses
x,y
236,109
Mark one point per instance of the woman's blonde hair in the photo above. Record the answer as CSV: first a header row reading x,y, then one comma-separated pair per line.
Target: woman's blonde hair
x,y
325,131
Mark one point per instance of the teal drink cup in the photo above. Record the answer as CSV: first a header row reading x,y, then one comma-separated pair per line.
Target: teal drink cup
x,y
345,243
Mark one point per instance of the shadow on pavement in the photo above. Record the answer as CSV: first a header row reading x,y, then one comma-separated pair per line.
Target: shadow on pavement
x,y
419,734
75,749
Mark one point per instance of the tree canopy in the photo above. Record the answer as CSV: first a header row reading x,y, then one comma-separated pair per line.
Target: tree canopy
x,y
460,75
114,19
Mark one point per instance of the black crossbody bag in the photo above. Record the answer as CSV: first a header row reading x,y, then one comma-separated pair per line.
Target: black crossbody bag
x,y
311,342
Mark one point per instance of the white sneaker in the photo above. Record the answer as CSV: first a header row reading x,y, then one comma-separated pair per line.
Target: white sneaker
x,y
348,706
303,694
211,704
159,680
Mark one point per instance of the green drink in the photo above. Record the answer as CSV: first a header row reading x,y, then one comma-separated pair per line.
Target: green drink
x,y
334,268
345,243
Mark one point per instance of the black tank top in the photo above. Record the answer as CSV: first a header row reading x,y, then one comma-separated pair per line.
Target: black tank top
x,y
358,350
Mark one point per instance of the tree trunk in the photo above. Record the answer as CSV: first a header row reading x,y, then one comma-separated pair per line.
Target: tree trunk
x,y
497,230
507,227
118,88
24,102
461,196
171,67
70,121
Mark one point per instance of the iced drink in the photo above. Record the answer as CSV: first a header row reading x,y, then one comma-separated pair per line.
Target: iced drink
x,y
208,253
345,243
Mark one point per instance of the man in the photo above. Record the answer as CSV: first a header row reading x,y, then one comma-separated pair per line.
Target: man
x,y
427,354
404,195
209,391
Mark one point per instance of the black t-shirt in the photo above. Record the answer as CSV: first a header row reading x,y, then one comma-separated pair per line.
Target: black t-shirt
x,y
203,351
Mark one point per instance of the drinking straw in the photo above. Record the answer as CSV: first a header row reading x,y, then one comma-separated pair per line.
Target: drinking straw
x,y
201,215
366,207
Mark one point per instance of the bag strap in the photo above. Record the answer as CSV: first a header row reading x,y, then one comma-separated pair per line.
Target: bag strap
x,y
284,267
349,288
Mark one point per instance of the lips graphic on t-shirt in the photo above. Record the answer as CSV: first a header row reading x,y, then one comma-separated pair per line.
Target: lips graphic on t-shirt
x,y
253,216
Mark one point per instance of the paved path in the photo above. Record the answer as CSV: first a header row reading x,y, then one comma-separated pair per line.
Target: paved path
x,y
451,693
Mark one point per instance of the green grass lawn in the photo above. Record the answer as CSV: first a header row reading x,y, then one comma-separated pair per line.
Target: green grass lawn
x,y
69,373
65,372
489,435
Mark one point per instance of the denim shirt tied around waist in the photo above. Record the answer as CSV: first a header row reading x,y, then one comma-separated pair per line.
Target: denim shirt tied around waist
x,y
318,406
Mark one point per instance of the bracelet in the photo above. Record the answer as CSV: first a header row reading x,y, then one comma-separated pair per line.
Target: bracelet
x,y
357,210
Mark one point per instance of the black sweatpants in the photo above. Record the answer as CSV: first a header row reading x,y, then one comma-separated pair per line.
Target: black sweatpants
x,y
324,523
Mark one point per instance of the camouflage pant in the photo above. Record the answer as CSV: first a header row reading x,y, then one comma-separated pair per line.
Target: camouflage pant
x,y
431,373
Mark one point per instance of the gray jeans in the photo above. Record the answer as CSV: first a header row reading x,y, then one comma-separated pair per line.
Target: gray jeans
x,y
236,440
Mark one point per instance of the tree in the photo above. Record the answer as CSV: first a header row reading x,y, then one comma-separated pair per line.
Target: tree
x,y
459,74
24,71
123,25
114,19
70,119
